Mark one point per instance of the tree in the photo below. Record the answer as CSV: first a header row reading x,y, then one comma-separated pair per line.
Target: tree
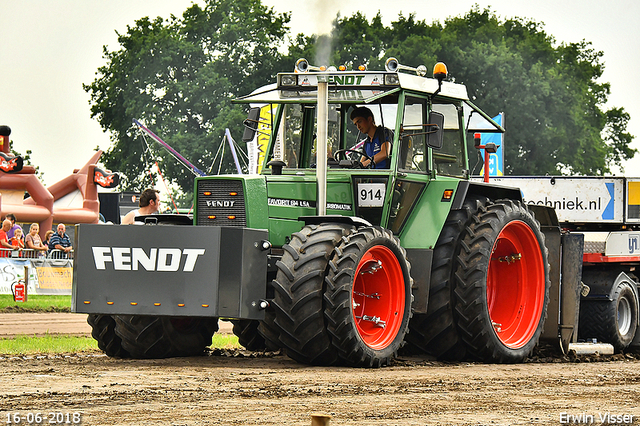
x,y
178,77
550,95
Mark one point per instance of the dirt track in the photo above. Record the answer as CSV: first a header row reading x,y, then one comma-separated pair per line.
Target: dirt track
x,y
39,324
272,390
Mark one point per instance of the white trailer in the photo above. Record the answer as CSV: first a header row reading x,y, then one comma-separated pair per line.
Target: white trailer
x,y
607,211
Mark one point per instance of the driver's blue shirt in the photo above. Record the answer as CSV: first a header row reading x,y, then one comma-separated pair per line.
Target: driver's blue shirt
x,y
373,146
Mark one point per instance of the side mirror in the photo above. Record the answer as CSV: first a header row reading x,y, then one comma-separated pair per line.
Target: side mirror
x,y
435,131
251,124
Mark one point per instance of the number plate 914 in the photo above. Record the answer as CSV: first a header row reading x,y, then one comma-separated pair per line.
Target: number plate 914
x,y
371,194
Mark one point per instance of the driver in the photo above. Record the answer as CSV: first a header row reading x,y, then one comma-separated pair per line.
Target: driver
x,y
378,142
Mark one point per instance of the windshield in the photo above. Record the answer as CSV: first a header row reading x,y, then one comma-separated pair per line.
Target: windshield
x,y
296,140
299,124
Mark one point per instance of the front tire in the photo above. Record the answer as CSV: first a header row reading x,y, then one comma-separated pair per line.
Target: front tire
x,y
368,297
162,337
268,331
103,331
502,283
299,288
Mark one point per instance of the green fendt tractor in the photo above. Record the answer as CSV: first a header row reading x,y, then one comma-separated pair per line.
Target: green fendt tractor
x,y
333,262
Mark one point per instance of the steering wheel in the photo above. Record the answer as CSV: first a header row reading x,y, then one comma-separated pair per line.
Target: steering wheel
x,y
343,152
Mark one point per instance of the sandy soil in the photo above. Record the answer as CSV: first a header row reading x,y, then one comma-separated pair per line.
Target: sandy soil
x,y
240,388
38,324
219,390
41,323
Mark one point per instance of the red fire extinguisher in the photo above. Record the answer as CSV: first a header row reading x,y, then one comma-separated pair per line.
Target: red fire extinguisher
x,y
19,291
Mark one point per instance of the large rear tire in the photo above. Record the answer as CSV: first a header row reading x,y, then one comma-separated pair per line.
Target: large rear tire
x,y
103,330
614,321
162,337
502,284
299,288
368,297
435,332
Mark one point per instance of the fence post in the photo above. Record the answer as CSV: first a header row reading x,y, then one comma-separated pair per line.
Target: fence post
x,y
320,419
26,281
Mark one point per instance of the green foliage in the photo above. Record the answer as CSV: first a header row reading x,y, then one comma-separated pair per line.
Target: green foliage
x,y
225,341
551,97
183,200
178,77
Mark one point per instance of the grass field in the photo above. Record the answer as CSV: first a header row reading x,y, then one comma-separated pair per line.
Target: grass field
x,y
49,344
55,344
35,303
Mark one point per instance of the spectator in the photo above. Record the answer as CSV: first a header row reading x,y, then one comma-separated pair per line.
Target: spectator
x,y
4,241
60,241
14,226
149,204
47,236
32,240
17,241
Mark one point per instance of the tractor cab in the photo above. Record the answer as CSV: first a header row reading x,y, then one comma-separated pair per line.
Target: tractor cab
x,y
424,120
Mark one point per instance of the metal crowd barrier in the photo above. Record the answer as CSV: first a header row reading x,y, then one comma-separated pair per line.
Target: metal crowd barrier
x,y
35,254
24,253
59,254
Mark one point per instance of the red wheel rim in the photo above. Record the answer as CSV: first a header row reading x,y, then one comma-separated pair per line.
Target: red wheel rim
x,y
516,285
378,297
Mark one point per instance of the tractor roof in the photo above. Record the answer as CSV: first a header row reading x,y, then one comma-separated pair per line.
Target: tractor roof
x,y
349,87
362,87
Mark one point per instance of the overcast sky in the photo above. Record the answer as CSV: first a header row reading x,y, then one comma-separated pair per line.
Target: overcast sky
x,y
49,48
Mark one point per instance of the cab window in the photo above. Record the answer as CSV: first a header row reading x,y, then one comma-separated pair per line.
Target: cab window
x,y
451,159
296,143
413,153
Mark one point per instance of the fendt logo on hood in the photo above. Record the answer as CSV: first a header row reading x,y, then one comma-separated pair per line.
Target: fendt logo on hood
x,y
220,203
158,259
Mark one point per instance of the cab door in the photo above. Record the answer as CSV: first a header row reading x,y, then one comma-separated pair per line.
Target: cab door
x,y
411,160
427,177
